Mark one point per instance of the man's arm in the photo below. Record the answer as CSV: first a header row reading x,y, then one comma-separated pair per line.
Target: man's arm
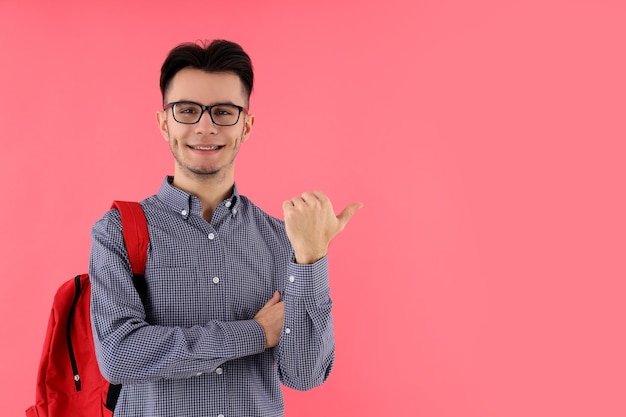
x,y
305,352
128,348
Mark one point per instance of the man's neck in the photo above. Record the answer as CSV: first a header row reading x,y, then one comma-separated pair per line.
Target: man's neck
x,y
210,190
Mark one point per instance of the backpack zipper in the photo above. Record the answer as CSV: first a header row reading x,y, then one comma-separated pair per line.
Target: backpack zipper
x,y
70,349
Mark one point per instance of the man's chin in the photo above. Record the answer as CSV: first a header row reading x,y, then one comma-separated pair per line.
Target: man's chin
x,y
206,173
201,172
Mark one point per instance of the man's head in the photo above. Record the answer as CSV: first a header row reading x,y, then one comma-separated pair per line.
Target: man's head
x,y
217,56
206,91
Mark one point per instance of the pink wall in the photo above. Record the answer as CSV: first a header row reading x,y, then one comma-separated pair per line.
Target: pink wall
x,y
485,274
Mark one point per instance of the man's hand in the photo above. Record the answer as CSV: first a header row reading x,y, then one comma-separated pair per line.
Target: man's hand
x,y
311,224
271,318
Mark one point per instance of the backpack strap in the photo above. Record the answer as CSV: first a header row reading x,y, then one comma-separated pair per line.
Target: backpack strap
x,y
136,237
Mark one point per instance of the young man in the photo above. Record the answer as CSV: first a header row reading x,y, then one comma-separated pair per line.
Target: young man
x,y
236,301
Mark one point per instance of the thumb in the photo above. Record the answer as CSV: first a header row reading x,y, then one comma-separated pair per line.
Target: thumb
x,y
347,213
274,300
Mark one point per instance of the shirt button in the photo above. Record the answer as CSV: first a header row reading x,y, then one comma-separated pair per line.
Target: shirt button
x,y
287,330
292,278
219,371
220,415
211,236
199,373
227,204
216,280
184,212
234,211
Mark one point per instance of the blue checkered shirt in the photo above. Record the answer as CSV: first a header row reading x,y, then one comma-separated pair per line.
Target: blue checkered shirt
x,y
192,348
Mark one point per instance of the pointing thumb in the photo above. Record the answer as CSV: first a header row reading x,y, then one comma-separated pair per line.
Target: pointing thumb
x,y
347,213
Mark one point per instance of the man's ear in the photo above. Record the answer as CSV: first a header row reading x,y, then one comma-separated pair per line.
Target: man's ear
x,y
247,127
161,117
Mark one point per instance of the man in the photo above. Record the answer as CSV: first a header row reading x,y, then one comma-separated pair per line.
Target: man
x,y
236,301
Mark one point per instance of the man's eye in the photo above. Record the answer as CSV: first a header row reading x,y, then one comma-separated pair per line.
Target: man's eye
x,y
188,110
222,111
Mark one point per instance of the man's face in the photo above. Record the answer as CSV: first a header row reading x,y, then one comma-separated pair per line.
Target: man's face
x,y
203,149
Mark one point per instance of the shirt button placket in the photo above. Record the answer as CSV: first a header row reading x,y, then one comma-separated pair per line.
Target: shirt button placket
x,y
219,371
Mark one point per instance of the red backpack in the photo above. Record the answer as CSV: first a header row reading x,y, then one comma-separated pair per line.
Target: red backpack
x,y
69,382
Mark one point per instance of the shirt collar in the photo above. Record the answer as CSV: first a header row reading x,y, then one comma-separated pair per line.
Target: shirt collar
x,y
184,203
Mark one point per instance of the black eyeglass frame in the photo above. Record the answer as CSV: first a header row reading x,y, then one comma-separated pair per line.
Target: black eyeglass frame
x,y
203,109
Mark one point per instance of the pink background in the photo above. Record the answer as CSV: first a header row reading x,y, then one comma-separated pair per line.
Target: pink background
x,y
485,274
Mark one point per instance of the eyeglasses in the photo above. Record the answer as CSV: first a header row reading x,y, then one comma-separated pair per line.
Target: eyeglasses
x,y
190,113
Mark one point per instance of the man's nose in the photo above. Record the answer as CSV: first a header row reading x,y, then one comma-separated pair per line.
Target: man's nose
x,y
205,124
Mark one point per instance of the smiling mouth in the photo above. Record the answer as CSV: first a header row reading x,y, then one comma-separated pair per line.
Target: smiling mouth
x,y
206,148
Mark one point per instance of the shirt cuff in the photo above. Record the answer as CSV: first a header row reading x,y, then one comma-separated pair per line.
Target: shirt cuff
x,y
308,280
248,336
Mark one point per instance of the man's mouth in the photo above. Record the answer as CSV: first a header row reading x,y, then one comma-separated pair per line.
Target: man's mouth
x,y
206,148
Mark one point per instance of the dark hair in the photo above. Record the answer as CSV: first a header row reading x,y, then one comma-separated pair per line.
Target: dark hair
x,y
218,56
